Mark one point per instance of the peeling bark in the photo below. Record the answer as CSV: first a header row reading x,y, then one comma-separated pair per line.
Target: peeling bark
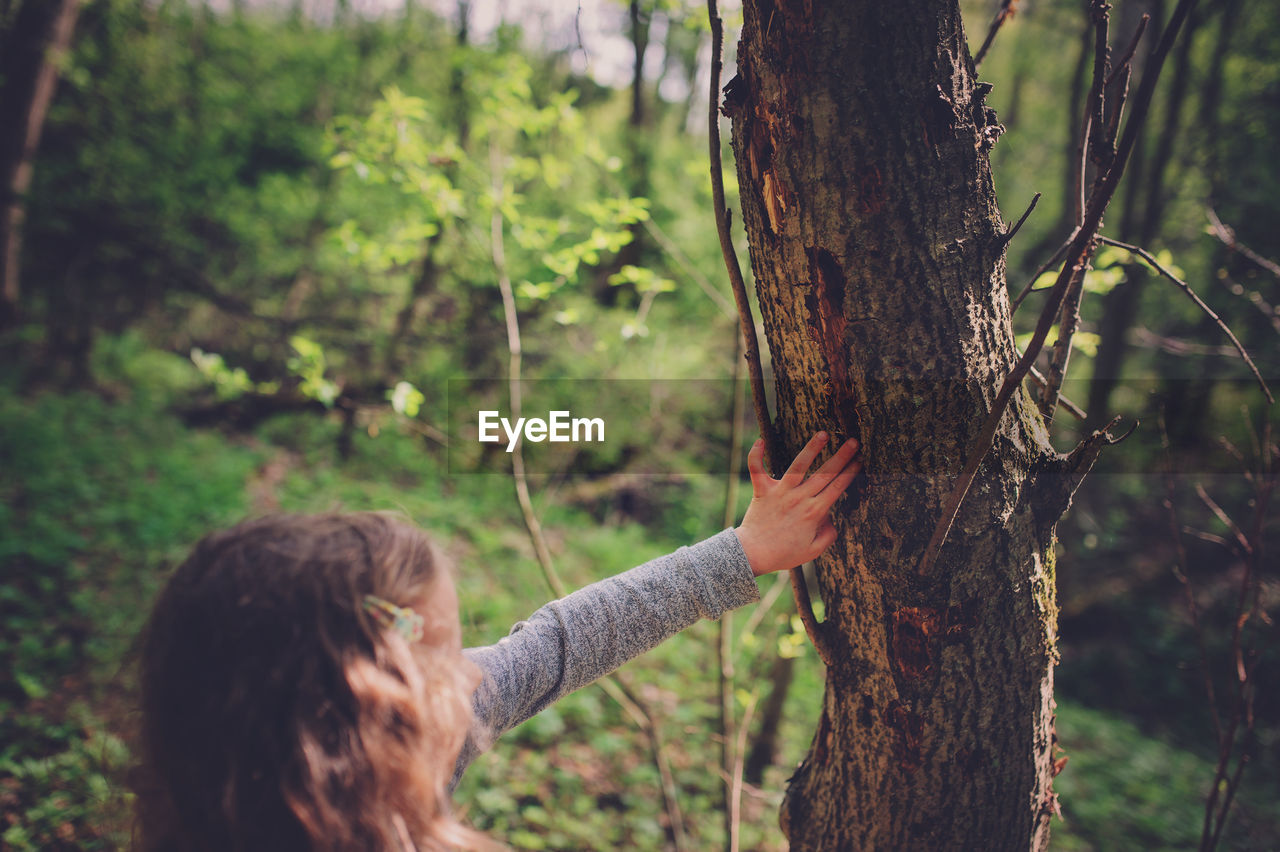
x,y
862,138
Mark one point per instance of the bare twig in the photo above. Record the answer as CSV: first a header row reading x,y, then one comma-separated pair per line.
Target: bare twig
x,y
1222,516
1080,249
730,754
772,442
773,448
1053,261
1208,311
1100,148
735,776
1068,322
1068,406
1234,731
1007,11
1013,232
1227,236
612,685
1126,58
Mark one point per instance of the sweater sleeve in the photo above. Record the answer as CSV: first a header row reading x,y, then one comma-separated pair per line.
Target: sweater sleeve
x,y
578,639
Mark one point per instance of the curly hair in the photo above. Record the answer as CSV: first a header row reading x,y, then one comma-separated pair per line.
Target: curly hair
x,y
276,714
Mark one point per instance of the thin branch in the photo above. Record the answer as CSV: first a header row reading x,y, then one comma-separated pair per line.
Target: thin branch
x,y
772,446
1068,322
760,610
1006,12
735,776
1126,58
772,442
1038,379
1080,249
1208,311
1227,236
1013,232
1041,270
1100,148
1221,515
612,684
681,259
730,755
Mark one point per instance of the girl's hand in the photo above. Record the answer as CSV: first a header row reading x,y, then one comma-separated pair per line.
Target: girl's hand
x,y
789,519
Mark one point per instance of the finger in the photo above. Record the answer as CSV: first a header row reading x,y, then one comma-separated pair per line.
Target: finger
x,y
825,538
800,465
839,484
755,465
832,467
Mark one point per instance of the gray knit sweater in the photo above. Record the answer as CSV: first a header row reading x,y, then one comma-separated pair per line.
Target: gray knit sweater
x,y
578,639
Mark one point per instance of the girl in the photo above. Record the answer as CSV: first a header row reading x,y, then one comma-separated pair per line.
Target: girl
x,y
304,685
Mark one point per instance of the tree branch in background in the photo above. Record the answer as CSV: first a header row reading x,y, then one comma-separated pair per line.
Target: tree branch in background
x,y
38,38
1007,10
613,685
1227,236
1234,729
1079,250
1208,311
772,443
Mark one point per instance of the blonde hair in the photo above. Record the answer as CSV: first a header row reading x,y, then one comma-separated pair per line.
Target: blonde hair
x,y
277,714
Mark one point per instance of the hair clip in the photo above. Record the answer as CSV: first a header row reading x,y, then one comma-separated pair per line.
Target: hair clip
x,y
403,620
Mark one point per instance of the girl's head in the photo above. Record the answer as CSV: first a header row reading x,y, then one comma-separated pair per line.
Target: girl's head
x,y
277,713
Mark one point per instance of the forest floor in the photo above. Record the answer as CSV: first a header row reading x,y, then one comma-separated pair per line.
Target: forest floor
x,y
102,498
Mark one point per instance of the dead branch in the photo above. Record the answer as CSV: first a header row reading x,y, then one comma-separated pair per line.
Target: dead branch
x,y
1038,379
1068,322
1080,249
1013,232
772,443
1007,10
1126,58
1222,516
1100,148
1186,288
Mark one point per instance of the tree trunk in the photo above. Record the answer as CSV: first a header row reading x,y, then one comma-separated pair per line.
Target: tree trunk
x,y
862,143
32,47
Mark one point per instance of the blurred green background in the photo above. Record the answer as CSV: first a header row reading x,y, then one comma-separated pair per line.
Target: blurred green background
x,y
260,272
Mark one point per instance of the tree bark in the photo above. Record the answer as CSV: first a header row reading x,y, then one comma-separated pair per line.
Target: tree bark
x,y
861,141
32,47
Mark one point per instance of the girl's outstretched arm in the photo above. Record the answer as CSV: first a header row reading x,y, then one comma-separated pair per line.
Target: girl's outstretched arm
x,y
573,641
